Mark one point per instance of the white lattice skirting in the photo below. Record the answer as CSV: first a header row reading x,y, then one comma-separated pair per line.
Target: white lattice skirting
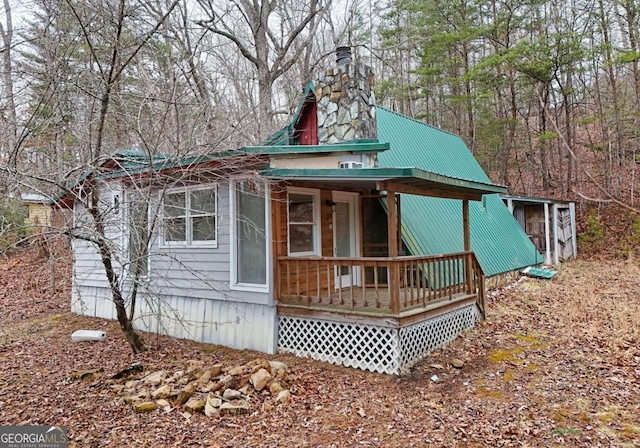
x,y
370,347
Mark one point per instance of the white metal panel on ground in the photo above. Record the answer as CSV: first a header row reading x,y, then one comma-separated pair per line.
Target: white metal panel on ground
x,y
239,325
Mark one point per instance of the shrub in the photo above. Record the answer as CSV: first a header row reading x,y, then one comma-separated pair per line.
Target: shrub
x,y
12,224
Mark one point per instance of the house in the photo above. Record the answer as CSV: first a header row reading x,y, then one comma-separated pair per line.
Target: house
x,y
300,244
549,223
39,209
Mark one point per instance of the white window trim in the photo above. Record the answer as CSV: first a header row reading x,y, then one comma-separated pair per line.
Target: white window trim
x,y
164,244
233,284
317,240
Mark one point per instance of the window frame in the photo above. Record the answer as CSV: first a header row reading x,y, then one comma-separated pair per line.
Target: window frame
x,y
316,230
188,241
233,281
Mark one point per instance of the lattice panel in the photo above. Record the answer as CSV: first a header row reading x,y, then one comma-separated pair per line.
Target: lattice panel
x,y
417,340
364,347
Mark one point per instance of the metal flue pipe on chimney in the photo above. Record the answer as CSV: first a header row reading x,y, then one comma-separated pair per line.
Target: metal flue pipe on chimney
x,y
343,56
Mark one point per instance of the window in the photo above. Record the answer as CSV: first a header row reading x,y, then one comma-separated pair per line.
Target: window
x,y
303,222
189,217
350,165
249,241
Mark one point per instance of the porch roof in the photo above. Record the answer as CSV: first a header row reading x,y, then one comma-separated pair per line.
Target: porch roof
x,y
401,180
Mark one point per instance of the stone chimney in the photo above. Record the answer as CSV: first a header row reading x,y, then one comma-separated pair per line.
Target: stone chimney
x,y
345,101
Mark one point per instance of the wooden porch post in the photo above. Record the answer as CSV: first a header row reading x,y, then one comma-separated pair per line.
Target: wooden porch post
x,y
465,225
467,246
393,268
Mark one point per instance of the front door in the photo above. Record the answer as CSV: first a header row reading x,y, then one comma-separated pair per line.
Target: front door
x,y
346,238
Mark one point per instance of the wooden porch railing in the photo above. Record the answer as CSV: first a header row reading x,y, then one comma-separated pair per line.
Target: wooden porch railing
x,y
367,284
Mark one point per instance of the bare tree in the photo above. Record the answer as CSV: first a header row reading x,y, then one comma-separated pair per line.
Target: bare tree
x,y
271,35
11,130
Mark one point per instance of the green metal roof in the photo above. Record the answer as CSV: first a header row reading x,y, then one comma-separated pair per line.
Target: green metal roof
x,y
433,225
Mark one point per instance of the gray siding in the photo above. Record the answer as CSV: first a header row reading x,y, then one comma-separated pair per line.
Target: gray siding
x,y
187,293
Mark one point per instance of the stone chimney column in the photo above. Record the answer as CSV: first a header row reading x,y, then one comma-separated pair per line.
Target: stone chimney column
x,y
345,101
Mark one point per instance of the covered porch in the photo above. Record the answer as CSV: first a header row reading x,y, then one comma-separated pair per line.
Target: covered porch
x,y
375,304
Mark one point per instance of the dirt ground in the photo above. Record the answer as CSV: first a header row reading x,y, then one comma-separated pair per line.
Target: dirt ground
x,y
557,363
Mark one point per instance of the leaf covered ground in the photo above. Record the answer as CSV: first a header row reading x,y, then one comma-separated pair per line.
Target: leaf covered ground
x,y
557,363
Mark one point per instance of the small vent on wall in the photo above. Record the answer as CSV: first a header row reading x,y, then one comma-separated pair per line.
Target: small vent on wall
x,y
350,165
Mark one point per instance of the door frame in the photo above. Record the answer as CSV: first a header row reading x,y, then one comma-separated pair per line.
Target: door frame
x,y
353,199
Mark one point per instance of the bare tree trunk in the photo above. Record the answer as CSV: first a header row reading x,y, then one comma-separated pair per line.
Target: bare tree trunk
x,y
7,79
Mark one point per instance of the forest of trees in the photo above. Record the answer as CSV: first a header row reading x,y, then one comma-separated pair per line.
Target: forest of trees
x,y
546,93
525,84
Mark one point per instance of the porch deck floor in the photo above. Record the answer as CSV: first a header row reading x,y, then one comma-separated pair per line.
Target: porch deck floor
x,y
368,301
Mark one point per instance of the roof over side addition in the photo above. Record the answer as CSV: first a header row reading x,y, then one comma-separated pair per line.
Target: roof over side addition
x,y
433,225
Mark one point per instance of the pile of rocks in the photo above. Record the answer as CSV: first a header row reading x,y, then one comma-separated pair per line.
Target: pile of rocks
x,y
212,390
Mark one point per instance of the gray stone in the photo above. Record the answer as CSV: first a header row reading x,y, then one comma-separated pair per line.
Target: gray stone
x,y
215,370
260,379
324,101
341,130
161,392
194,405
154,378
226,379
144,407
140,396
185,394
321,118
209,409
331,107
131,384
163,403
331,120
239,370
194,365
175,377
457,363
275,387
323,134
277,365
350,134
283,396
204,379
343,116
354,109
239,407
231,394
332,140
216,402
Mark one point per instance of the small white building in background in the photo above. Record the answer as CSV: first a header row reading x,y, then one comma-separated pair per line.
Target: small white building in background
x,y
550,223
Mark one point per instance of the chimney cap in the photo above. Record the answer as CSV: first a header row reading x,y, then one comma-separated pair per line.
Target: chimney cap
x,y
343,55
